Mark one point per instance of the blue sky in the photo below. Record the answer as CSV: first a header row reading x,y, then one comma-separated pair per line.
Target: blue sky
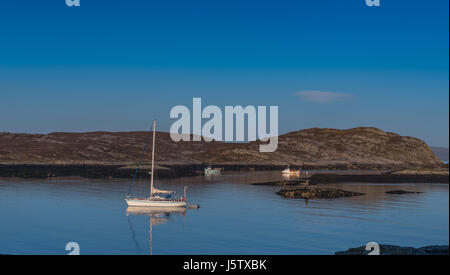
x,y
115,65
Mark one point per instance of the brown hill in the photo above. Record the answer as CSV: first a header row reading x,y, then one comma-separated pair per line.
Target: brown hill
x,y
327,148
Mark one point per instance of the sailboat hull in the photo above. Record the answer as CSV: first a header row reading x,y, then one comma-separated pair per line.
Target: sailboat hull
x,y
290,172
155,203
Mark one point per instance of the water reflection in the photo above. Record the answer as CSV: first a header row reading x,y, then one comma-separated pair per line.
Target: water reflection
x,y
157,215
303,175
289,176
235,217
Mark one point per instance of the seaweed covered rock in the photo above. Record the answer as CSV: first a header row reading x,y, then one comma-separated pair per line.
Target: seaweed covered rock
x,y
315,193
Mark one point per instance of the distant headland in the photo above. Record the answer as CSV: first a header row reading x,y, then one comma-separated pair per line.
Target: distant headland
x,y
115,154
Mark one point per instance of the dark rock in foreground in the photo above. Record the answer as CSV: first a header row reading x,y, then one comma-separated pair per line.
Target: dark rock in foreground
x,y
399,250
315,193
401,192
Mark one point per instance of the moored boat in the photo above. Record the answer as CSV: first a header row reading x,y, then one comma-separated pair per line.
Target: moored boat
x,y
156,198
289,171
211,171
155,201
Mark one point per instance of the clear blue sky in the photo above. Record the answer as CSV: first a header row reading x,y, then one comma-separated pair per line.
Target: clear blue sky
x,y
117,64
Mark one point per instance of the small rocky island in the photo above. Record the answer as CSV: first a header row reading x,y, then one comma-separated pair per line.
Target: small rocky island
x,y
315,193
399,250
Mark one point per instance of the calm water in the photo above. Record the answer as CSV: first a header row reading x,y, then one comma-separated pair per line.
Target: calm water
x,y
235,217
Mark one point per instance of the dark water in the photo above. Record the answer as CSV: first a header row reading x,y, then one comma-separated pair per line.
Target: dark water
x,y
235,217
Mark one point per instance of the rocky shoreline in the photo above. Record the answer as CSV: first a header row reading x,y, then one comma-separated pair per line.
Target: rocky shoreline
x,y
116,171
399,250
315,193
439,175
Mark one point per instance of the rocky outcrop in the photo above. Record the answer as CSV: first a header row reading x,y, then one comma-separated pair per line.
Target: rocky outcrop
x,y
358,148
315,193
399,250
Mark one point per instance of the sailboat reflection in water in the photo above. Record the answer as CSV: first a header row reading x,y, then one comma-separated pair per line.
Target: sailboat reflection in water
x,y
157,198
158,215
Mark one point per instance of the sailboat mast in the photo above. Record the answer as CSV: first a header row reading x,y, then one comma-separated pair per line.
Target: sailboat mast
x,y
153,158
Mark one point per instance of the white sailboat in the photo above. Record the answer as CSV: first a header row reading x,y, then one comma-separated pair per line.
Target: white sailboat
x,y
155,199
